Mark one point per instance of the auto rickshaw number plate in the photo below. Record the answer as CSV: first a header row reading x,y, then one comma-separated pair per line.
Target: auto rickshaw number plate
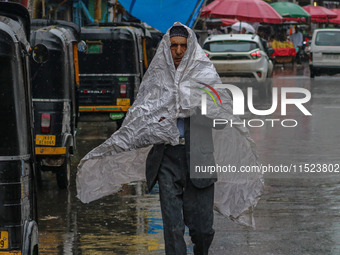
x,y
3,239
45,139
123,101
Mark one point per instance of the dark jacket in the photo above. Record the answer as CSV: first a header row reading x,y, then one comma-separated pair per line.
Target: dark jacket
x,y
200,153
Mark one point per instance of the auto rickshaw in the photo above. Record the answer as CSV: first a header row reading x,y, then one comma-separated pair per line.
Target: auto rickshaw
x,y
18,208
54,74
111,68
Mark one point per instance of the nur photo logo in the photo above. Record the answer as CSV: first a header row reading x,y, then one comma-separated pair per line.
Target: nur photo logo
x,y
204,96
238,104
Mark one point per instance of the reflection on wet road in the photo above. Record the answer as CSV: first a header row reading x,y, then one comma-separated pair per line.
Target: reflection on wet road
x,y
298,214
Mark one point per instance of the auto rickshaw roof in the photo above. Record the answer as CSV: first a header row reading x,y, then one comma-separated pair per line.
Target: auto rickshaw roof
x,y
53,37
114,31
40,23
18,13
118,24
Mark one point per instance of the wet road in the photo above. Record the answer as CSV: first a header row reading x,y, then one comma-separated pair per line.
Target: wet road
x,y
298,213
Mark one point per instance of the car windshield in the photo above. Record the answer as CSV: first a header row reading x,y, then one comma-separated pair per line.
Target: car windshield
x,y
230,46
327,38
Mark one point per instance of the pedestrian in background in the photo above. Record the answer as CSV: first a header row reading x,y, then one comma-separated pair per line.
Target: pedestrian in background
x,y
262,34
297,40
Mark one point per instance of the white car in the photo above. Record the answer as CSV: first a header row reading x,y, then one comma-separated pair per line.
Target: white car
x,y
241,55
325,52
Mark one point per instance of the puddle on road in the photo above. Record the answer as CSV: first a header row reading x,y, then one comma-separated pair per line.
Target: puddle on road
x,y
126,223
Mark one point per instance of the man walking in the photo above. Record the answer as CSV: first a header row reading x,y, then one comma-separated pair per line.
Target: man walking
x,y
163,115
184,200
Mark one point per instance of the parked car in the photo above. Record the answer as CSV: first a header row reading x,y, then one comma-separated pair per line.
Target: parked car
x,y
18,203
111,69
54,74
242,56
325,52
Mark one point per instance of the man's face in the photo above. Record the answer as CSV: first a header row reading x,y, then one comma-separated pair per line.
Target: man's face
x,y
178,48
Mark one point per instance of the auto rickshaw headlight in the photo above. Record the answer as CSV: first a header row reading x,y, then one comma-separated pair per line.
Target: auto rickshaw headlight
x,y
82,47
40,53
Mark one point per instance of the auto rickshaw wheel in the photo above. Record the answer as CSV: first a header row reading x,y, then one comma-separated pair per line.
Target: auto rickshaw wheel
x,y
30,239
63,173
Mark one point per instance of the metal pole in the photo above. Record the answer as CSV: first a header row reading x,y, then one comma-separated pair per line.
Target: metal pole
x,y
197,4
98,11
114,11
43,7
203,5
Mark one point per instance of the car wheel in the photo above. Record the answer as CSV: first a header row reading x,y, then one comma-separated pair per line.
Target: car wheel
x,y
63,173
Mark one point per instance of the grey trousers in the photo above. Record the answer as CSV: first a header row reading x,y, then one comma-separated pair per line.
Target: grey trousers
x,y
184,204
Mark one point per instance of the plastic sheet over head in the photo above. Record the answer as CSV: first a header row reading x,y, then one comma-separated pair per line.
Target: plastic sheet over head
x,y
163,97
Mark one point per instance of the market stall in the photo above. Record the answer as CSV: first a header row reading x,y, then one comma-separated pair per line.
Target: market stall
x,y
284,51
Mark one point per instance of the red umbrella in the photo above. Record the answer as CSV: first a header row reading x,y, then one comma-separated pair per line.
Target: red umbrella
x,y
228,22
320,12
243,10
337,19
320,20
221,22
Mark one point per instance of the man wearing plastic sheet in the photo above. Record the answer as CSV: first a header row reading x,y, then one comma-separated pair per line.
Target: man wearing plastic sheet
x,y
184,201
160,116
